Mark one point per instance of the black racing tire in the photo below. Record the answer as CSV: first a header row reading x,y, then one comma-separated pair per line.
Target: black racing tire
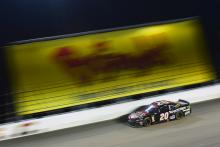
x,y
179,115
146,122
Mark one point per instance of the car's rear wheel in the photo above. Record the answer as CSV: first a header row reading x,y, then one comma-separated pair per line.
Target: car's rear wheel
x,y
179,115
146,122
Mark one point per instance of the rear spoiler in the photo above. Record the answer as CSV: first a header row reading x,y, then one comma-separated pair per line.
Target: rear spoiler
x,y
181,101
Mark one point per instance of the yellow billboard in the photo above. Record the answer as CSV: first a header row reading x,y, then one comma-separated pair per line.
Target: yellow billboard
x,y
53,74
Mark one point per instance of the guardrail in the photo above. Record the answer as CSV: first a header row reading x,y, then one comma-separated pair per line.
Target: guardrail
x,y
93,115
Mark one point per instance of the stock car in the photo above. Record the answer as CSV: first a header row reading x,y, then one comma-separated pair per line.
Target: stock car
x,y
158,112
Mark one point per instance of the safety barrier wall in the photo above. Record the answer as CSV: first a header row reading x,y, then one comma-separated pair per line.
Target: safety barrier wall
x,y
93,115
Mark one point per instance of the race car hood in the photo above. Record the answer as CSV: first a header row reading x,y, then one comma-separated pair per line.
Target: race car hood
x,y
138,114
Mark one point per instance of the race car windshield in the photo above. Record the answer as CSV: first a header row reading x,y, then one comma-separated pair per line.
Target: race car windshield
x,y
150,108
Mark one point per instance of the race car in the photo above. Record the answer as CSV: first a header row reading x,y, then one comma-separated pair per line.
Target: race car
x,y
159,111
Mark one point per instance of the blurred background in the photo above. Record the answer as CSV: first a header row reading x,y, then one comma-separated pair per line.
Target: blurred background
x,y
26,19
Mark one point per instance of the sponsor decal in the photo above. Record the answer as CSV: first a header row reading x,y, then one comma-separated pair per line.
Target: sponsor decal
x,y
26,128
172,117
187,112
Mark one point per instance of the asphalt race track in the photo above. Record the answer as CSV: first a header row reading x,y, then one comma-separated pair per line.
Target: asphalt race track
x,y
201,129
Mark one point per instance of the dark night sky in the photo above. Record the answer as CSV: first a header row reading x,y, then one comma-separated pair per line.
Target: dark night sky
x,y
24,19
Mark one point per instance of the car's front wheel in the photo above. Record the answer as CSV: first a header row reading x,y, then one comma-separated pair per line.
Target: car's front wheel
x,y
146,122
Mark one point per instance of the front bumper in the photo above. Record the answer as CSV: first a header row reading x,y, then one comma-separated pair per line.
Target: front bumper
x,y
135,123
